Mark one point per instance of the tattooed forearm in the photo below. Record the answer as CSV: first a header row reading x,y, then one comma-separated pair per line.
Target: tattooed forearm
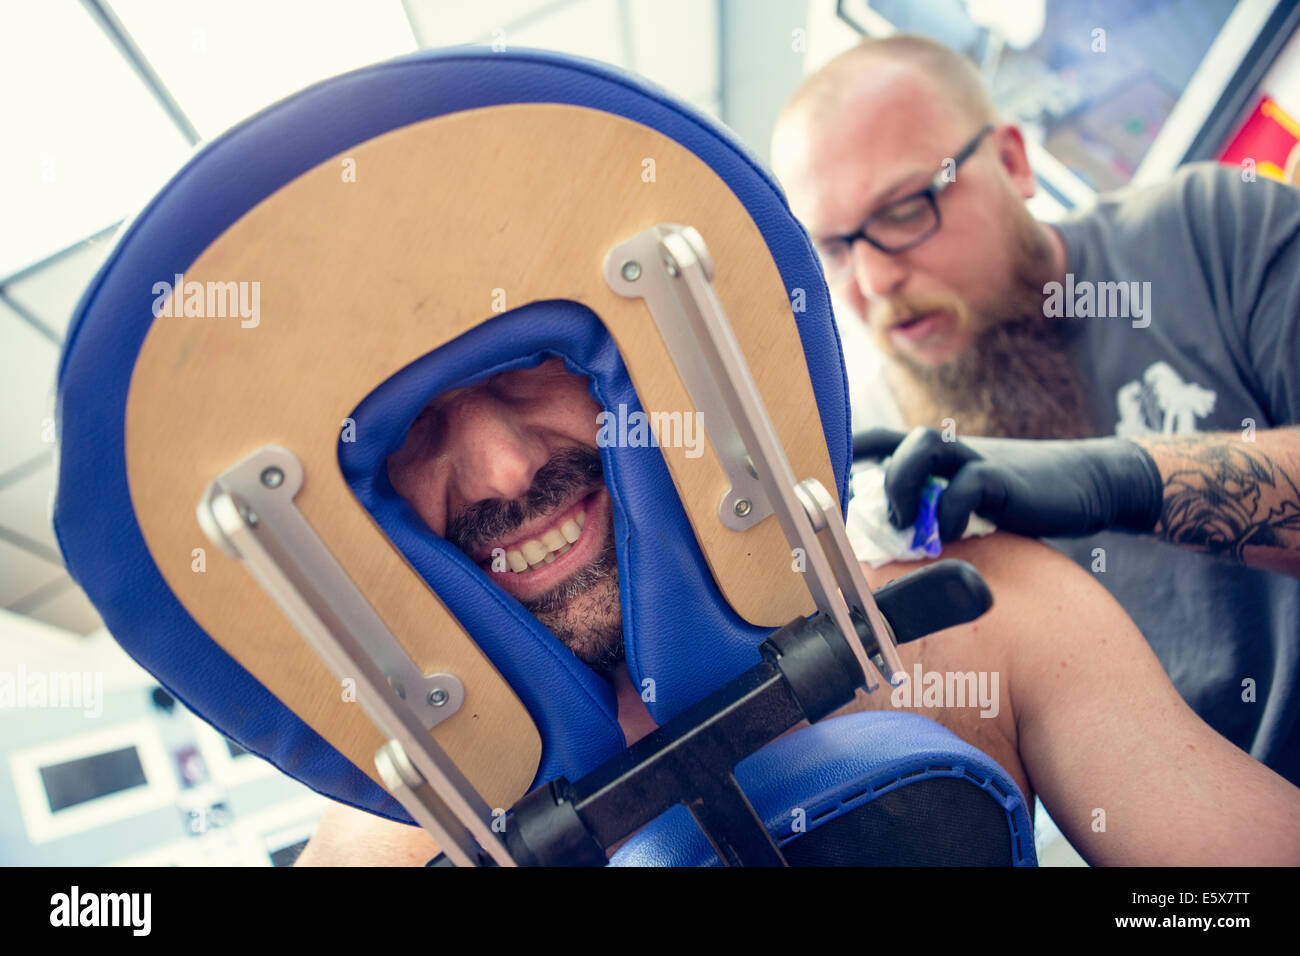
x,y
1233,497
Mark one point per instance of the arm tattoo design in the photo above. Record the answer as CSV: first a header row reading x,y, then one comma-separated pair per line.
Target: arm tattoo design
x,y
1238,498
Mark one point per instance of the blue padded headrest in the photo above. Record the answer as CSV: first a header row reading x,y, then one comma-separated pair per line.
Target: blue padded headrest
x,y
95,521
834,768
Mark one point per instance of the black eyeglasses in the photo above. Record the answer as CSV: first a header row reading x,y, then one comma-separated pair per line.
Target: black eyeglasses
x,y
898,225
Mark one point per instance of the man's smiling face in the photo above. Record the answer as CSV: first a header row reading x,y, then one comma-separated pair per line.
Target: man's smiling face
x,y
511,466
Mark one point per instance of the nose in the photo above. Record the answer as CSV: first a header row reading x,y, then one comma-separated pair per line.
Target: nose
x,y
878,274
492,450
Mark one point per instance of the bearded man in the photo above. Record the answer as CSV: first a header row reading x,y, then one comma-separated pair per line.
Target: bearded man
x,y
1166,318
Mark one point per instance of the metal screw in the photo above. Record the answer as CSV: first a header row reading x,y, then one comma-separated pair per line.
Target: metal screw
x,y
631,270
396,685
670,266
437,697
248,515
272,477
742,507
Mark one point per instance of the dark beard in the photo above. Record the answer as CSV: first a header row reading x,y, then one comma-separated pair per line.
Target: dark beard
x,y
584,612
1016,380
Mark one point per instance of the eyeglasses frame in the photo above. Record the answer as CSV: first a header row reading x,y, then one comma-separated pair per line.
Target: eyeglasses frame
x,y
941,181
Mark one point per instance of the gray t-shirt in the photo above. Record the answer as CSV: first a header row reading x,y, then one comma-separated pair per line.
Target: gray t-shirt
x,y
1210,337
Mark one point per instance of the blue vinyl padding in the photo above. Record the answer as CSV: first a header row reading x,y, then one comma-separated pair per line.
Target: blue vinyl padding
x,y
94,518
832,768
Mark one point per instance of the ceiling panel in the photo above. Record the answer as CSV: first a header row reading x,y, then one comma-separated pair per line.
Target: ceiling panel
x,y
590,28
52,292
21,573
448,22
47,648
24,510
85,144
676,45
672,42
223,60
70,609
27,365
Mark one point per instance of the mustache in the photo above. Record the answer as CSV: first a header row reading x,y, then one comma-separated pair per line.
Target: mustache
x,y
569,472
893,310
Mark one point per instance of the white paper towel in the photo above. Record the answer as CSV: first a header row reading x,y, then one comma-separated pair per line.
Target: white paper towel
x,y
873,538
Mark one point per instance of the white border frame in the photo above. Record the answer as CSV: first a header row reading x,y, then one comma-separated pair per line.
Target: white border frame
x,y
43,824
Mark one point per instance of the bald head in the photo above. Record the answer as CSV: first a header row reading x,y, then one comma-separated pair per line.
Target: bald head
x,y
865,136
833,88
880,97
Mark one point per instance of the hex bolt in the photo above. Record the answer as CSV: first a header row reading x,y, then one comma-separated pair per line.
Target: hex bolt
x,y
438,697
742,507
631,270
272,477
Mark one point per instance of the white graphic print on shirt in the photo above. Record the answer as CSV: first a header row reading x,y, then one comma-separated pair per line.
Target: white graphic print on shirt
x,y
1161,403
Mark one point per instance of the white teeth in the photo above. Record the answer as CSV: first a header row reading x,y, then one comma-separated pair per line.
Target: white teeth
x,y
533,551
552,543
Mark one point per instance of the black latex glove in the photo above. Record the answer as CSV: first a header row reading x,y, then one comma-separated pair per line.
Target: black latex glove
x,y
1038,488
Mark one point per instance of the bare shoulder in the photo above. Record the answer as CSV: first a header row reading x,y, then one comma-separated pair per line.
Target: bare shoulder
x,y
1009,557
1045,608
1015,564
346,836
1127,770
1033,585
1031,580
1036,589
1054,618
